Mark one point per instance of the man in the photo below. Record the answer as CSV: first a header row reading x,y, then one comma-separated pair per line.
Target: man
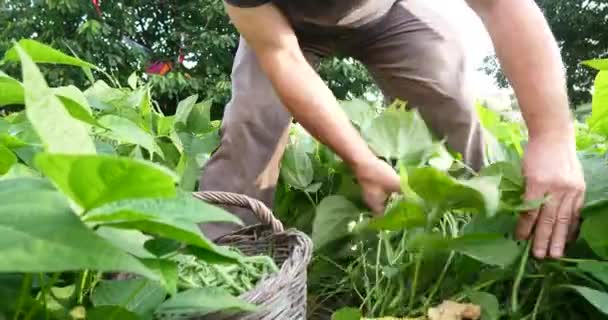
x,y
414,55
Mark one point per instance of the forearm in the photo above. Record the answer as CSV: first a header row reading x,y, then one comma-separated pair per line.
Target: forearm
x,y
313,105
531,60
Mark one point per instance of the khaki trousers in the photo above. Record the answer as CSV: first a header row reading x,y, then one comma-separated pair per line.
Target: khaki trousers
x,y
412,53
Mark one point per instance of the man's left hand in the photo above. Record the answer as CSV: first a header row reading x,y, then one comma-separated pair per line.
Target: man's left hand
x,y
552,170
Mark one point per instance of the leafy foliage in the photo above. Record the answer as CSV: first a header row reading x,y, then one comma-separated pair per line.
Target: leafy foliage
x,y
88,192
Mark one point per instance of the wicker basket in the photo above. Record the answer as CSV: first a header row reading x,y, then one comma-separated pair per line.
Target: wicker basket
x,y
281,296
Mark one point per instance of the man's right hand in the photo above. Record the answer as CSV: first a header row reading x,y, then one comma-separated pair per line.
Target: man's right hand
x,y
378,181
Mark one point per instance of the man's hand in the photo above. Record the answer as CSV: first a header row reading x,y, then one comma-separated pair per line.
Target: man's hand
x,y
378,180
530,57
552,169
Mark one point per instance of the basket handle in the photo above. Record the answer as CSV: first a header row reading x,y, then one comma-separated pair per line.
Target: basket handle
x,y
259,209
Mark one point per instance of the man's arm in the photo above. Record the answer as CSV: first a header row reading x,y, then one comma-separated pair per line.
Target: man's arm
x,y
531,60
308,99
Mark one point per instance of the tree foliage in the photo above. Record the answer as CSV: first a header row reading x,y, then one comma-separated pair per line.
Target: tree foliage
x,y
127,36
580,28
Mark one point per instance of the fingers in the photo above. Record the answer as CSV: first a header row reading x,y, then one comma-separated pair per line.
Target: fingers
x,y
547,219
562,225
376,200
527,220
574,224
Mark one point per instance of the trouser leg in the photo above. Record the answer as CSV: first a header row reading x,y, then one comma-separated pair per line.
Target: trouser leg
x,y
416,56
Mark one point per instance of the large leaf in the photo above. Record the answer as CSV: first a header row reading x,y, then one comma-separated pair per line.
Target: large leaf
x,y
166,270
593,231
598,122
201,302
359,111
199,120
398,134
508,133
332,219
124,130
58,130
491,249
296,167
597,184
183,208
184,108
347,314
92,181
597,298
599,269
131,241
111,313
196,152
439,190
42,53
7,159
400,216
76,104
140,296
11,90
40,233
599,64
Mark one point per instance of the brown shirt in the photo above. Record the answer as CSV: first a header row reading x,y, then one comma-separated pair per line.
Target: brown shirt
x,y
340,13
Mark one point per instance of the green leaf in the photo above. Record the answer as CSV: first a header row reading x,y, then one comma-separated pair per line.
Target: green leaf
x,y
162,246
140,296
598,269
333,216
596,184
111,313
490,308
124,130
402,215
359,111
92,181
165,125
7,159
42,53
132,81
296,167
593,231
508,133
40,233
199,120
347,314
184,207
76,104
58,130
599,64
184,108
490,249
11,90
597,298
480,194
398,134
131,241
598,121
200,302
167,272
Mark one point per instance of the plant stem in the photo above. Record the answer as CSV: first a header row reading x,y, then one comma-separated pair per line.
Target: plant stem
x,y
518,278
82,286
444,272
540,299
26,285
415,281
